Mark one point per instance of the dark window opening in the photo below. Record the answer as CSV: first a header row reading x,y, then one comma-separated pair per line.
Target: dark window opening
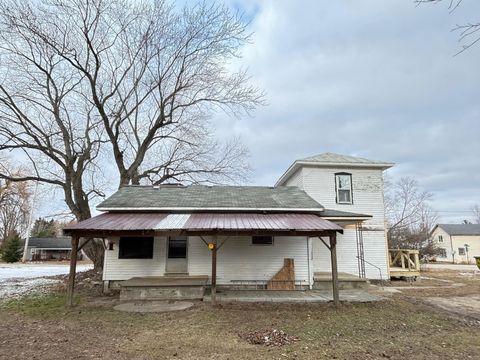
x,y
443,253
461,251
177,248
135,248
262,240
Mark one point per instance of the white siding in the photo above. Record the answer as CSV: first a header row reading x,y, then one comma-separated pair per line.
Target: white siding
x,y
296,179
367,184
347,254
237,259
123,269
457,241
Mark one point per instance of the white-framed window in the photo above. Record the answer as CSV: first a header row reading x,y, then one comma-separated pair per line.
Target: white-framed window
x,y
262,240
461,251
343,186
442,253
440,238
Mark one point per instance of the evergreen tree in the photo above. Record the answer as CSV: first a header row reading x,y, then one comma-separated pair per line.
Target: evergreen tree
x,y
12,249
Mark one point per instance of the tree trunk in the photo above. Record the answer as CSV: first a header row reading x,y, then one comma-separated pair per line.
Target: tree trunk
x,y
95,251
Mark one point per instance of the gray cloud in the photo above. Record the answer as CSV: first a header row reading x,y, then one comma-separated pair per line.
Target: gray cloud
x,y
367,78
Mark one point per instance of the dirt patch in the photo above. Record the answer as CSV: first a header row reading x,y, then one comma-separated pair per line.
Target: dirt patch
x,y
268,337
465,306
396,329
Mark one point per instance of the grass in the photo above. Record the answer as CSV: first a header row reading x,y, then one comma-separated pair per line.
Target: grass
x,y
394,329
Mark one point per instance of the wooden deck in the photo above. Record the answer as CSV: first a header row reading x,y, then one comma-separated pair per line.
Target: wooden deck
x,y
404,263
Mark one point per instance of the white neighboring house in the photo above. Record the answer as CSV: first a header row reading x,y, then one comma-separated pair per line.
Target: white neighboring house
x,y
459,243
164,230
348,184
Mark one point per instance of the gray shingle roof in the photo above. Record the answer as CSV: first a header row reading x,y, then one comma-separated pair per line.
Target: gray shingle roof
x,y
248,198
461,229
342,159
50,242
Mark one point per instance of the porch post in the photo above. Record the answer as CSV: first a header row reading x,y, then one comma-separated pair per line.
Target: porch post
x,y
73,267
333,258
214,270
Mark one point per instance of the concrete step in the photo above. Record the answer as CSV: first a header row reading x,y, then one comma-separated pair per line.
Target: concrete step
x,y
323,281
164,288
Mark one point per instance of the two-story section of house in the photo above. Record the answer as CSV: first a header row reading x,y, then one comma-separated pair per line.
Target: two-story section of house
x,y
347,184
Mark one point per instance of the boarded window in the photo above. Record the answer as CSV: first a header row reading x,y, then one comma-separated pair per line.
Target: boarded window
x,y
177,248
135,248
262,240
461,251
343,185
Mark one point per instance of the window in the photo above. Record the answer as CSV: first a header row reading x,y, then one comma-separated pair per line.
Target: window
x,y
442,253
262,240
135,248
177,248
440,238
343,186
461,251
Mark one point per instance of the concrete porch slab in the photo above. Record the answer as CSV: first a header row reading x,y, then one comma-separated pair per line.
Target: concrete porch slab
x,y
172,280
309,296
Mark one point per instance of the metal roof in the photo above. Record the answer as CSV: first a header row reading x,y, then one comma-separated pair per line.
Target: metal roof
x,y
332,160
204,222
326,158
461,229
210,198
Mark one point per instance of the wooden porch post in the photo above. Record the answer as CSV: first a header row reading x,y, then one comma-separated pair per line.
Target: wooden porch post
x,y
73,267
214,270
333,258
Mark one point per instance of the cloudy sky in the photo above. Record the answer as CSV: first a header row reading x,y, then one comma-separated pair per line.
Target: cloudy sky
x,y
369,78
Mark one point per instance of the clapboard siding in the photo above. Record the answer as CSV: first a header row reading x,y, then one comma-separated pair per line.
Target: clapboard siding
x,y
123,269
367,184
319,183
347,254
237,259
296,179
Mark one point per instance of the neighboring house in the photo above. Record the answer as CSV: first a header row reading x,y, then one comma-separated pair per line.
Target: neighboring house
x,y
458,243
264,235
48,248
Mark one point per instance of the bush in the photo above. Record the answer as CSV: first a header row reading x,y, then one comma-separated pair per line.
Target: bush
x,y
12,249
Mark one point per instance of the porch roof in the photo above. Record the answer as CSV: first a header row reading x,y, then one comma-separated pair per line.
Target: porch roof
x,y
203,223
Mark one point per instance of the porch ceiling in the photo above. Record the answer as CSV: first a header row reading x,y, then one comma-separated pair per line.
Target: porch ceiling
x,y
204,223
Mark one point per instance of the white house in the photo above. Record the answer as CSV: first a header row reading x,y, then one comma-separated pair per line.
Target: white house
x,y
324,208
459,243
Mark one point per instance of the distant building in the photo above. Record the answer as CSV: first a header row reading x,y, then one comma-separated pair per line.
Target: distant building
x,y
459,243
49,248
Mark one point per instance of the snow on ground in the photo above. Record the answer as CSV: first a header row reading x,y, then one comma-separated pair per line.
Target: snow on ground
x,y
20,279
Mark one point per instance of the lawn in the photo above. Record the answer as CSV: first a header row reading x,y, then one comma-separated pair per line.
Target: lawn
x,y
42,327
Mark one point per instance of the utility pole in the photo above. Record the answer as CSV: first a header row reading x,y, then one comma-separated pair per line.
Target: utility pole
x,y
29,223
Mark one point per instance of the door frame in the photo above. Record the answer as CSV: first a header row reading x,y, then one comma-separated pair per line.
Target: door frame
x,y
187,265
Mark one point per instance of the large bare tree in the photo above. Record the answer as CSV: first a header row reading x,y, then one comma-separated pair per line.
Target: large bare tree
x,y
14,207
131,82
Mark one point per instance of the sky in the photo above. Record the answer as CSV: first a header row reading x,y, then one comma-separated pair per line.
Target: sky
x,y
369,78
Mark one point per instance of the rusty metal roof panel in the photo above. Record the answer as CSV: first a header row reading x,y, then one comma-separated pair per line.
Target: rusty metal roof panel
x,y
204,222
120,221
254,221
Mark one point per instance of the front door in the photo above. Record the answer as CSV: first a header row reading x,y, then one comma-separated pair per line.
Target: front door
x,y
177,255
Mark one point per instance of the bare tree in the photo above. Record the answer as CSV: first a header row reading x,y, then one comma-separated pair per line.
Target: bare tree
x,y
410,217
14,208
476,213
469,33
133,83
